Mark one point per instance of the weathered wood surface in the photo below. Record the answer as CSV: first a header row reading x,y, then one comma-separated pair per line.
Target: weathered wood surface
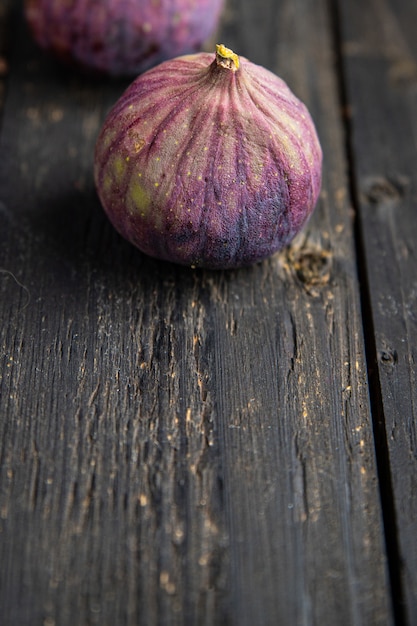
x,y
177,446
380,51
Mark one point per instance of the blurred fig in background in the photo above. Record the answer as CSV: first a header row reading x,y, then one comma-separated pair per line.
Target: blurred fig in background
x,y
121,37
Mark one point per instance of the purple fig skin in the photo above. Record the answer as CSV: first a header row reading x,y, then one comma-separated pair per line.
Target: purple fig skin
x,y
208,162
121,37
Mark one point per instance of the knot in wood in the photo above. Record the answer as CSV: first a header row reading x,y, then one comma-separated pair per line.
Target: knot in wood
x,y
388,357
312,266
381,190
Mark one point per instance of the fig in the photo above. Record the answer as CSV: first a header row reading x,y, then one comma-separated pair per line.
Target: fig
x,y
121,37
208,161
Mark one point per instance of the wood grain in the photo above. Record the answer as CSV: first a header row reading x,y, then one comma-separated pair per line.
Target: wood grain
x,y
180,447
381,73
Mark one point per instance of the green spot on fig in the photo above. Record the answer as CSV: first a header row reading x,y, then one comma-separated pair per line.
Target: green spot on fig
x,y
108,139
140,199
119,168
107,183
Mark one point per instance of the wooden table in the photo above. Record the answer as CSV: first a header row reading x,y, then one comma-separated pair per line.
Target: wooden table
x,y
190,447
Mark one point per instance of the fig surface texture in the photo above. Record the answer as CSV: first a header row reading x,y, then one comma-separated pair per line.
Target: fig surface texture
x,y
208,161
121,37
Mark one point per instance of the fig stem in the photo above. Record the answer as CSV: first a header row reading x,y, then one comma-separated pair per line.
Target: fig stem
x,y
226,58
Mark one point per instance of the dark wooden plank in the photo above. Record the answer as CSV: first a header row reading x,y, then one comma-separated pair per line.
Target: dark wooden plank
x,y
380,51
179,447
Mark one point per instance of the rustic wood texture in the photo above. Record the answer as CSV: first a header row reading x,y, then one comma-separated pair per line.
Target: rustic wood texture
x,y
380,52
178,446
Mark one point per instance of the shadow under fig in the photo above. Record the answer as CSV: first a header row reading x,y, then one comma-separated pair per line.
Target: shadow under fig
x,y
71,230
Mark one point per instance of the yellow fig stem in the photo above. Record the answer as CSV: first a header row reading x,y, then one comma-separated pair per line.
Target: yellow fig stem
x,y
226,58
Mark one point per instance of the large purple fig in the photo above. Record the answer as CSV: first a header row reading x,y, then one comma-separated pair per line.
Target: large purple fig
x,y
121,37
208,162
